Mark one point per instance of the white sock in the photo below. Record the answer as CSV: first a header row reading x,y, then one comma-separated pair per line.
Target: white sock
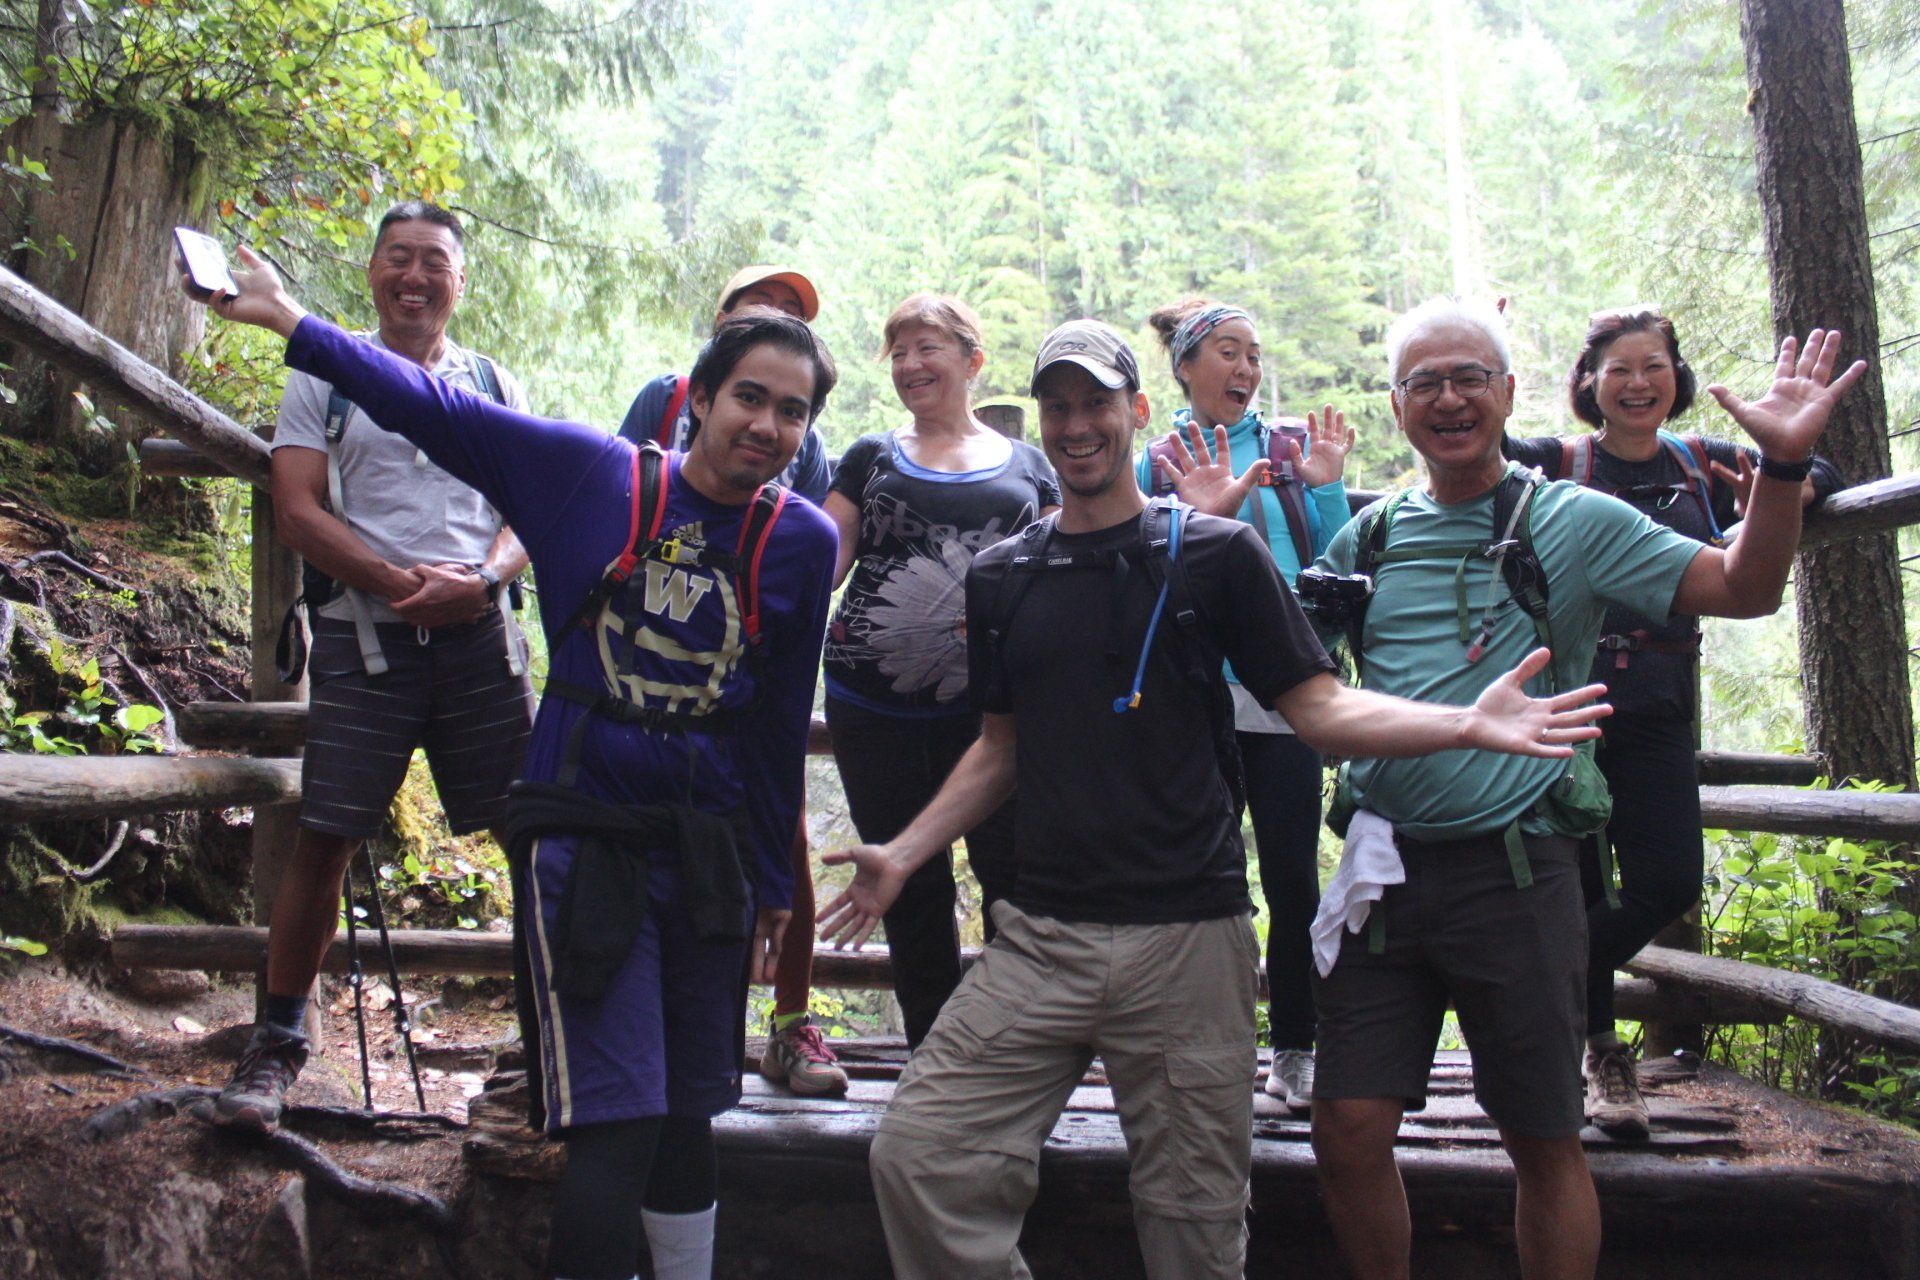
x,y
681,1243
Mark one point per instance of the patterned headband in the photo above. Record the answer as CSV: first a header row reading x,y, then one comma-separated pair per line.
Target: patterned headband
x,y
1194,329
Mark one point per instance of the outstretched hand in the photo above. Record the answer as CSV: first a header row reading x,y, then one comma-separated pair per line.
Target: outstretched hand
x,y
262,300
1328,440
1203,477
849,919
1787,421
1505,718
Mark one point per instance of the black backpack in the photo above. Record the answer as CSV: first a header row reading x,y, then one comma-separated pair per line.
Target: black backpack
x,y
1200,659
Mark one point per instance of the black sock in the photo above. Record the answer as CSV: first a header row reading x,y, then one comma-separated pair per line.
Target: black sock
x,y
289,1013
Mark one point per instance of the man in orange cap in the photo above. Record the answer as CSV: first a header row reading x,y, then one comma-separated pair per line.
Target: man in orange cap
x,y
796,1054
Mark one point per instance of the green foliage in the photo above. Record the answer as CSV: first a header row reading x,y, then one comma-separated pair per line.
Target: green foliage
x,y
23,946
88,721
1835,909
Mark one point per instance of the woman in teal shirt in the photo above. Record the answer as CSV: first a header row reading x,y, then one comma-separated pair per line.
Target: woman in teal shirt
x,y
1298,506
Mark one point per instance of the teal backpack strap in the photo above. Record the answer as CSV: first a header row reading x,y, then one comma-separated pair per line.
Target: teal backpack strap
x,y
1377,929
488,377
1517,855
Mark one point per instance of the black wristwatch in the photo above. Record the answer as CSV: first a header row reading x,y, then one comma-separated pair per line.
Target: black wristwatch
x,y
1790,471
487,575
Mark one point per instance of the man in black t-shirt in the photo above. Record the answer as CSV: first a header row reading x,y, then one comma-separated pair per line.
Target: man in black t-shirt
x,y
1126,933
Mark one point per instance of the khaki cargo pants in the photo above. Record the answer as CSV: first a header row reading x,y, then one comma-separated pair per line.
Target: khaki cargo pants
x,y
1168,1008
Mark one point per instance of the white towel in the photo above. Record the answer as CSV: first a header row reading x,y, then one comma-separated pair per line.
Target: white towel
x,y
1369,863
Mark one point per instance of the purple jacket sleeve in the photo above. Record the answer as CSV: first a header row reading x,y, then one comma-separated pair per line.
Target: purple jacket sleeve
x,y
526,466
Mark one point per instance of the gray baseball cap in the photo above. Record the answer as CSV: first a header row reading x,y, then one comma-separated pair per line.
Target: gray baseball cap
x,y
1094,346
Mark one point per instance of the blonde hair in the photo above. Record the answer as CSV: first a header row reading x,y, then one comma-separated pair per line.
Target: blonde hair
x,y
941,311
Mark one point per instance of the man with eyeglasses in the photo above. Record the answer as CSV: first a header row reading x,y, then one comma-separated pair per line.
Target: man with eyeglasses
x,y
1484,909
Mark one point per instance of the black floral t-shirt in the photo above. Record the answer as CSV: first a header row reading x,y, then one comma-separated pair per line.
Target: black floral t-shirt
x,y
898,643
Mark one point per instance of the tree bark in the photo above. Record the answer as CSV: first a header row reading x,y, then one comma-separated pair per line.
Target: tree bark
x,y
1853,643
98,238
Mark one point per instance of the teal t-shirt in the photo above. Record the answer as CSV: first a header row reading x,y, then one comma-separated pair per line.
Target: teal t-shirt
x,y
1597,552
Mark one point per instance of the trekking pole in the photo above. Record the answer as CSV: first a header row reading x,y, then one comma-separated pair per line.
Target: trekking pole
x,y
400,1019
356,979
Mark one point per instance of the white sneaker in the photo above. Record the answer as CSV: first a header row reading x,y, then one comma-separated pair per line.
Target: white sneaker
x,y
1291,1079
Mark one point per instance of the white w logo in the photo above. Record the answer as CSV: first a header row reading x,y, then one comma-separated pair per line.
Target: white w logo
x,y
674,592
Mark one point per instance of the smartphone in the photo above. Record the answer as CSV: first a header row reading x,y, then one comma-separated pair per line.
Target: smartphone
x,y
1279,457
205,263
1161,448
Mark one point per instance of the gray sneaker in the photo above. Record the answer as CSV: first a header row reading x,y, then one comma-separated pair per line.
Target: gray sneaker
x,y
268,1066
799,1058
1614,1102
1291,1079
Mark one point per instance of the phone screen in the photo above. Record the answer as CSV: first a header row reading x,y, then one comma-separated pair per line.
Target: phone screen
x,y
205,263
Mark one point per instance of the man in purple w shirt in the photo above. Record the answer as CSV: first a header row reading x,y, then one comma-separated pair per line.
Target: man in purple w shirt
x,y
681,741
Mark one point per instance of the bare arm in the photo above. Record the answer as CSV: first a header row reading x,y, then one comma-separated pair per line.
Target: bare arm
x,y
1340,720
978,785
1745,581
846,518
323,539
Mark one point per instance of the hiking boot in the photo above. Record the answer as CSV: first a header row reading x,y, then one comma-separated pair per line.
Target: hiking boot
x,y
800,1057
1614,1104
1291,1079
267,1067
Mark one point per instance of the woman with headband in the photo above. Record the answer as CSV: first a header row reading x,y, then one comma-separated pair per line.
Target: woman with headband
x,y
1627,383
1297,503
913,505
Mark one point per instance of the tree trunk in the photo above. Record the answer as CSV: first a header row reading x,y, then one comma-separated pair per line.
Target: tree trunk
x,y
1853,644
101,243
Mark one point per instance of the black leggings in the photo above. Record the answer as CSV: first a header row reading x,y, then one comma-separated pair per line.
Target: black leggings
x,y
1283,798
1655,832
663,1163
890,767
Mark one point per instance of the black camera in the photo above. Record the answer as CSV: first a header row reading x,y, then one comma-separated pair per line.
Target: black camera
x,y
1332,598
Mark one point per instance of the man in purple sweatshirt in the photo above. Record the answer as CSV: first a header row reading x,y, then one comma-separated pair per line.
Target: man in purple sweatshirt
x,y
664,775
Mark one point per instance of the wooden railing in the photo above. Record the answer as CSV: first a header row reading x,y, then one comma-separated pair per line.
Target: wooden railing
x,y
1745,792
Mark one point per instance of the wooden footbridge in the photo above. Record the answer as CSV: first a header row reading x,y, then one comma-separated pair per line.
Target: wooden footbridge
x,y
1739,1180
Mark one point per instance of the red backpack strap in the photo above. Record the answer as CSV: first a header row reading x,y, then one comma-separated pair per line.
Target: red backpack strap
x,y
1576,459
755,532
675,403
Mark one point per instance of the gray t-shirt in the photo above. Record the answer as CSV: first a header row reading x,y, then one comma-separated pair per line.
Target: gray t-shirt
x,y
407,510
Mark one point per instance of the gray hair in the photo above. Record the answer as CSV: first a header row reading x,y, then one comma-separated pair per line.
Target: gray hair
x,y
1448,312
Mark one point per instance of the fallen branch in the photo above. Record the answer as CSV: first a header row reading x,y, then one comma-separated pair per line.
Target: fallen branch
x,y
172,733
73,1048
62,560
363,1193
76,874
392,1126
122,1118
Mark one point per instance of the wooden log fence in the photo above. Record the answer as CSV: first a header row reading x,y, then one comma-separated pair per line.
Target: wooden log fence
x,y
1825,1004
455,952
31,319
1859,815
47,788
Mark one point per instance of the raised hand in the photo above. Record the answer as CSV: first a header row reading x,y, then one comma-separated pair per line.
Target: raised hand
x,y
850,918
1741,481
1505,718
1787,421
262,300
1203,477
1329,439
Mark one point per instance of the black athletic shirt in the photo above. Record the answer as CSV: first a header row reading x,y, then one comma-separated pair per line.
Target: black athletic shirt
x,y
1653,683
897,644
1125,818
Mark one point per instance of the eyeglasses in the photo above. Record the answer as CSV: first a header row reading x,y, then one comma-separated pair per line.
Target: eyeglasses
x,y
1468,383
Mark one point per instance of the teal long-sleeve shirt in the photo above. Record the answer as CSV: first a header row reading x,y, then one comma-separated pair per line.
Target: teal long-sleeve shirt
x,y
1326,506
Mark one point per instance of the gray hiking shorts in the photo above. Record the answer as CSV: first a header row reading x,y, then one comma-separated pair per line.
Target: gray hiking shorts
x,y
1511,961
452,694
